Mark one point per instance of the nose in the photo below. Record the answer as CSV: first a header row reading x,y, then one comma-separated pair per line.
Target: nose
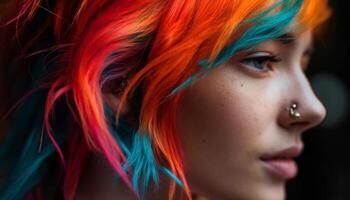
x,y
312,111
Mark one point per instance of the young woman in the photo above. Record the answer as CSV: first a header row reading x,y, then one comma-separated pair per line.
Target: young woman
x,y
157,99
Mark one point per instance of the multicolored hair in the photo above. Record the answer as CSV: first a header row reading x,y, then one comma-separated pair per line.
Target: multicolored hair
x,y
76,51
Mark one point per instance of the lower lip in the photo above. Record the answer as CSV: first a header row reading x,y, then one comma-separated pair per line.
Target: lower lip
x,y
282,168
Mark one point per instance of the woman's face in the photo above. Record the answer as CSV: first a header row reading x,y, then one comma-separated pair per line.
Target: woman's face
x,y
232,122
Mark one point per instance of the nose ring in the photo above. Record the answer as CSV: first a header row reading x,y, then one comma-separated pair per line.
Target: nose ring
x,y
292,111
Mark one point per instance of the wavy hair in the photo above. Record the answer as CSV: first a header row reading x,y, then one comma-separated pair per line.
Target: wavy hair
x,y
76,51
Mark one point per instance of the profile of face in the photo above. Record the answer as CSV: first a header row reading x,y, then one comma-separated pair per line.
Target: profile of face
x,y
237,135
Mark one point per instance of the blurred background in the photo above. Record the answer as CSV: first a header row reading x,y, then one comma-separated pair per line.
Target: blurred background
x,y
324,167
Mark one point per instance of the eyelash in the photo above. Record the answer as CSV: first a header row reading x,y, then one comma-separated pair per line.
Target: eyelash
x,y
262,60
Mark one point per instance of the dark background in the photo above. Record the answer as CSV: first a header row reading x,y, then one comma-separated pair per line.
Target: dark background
x,y
324,166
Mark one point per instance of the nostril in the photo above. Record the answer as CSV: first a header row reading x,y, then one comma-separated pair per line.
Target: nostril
x,y
302,125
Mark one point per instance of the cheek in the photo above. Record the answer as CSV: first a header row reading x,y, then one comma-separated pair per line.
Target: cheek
x,y
220,121
223,122
220,109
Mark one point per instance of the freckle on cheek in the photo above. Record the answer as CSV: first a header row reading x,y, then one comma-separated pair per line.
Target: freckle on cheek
x,y
204,140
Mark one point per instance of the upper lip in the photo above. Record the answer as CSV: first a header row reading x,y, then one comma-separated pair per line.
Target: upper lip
x,y
287,153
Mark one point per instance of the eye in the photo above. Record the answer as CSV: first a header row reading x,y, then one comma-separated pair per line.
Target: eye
x,y
260,61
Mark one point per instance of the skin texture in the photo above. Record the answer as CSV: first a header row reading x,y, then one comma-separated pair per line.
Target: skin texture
x,y
227,120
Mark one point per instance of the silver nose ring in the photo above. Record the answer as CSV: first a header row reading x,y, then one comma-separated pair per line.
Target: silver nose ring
x,y
293,113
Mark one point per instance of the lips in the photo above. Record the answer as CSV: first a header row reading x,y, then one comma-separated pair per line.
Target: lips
x,y
281,164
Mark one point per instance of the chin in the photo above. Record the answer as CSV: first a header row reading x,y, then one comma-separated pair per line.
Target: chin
x,y
276,192
271,195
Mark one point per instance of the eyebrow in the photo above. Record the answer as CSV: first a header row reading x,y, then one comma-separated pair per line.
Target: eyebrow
x,y
287,38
